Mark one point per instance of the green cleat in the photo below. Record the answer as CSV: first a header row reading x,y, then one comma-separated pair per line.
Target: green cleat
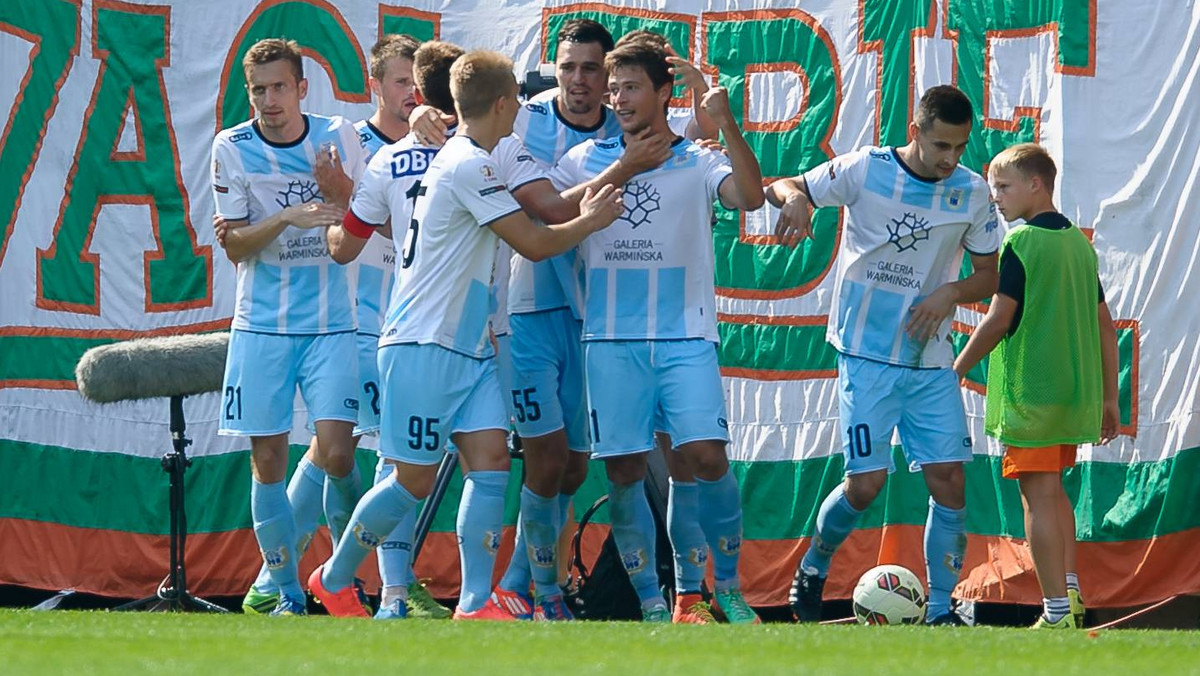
x,y
656,613
422,605
1065,622
259,602
1078,610
733,606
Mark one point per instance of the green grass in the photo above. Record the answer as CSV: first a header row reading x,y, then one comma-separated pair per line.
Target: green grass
x,y
103,643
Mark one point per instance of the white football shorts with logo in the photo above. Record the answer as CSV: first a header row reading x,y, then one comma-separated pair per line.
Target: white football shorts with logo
x,y
547,391
262,371
430,393
924,405
634,386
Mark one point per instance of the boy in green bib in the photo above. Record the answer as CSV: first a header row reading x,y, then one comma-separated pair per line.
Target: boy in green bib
x,y
1052,375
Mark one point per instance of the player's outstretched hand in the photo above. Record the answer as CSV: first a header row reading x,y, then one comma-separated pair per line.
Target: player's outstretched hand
x,y
686,71
716,103
603,206
332,181
647,150
429,125
315,215
795,220
925,317
221,228
1110,422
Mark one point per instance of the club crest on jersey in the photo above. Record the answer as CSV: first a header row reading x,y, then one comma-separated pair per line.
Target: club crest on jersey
x,y
634,561
491,541
275,558
954,197
906,231
642,201
542,557
365,537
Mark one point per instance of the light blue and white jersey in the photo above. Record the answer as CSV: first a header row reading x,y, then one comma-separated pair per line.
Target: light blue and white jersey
x,y
517,168
904,237
650,273
371,137
550,284
377,261
292,286
443,293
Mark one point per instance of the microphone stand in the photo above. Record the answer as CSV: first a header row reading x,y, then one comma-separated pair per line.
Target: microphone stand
x,y
172,593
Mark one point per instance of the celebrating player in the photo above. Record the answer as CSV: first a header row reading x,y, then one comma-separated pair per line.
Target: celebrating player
x,y
436,334
911,212
278,180
1043,314
649,323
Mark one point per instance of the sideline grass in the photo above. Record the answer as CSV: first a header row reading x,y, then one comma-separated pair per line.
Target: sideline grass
x,y
112,643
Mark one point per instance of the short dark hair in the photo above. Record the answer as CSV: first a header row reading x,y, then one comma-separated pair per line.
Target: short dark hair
x,y
391,46
946,103
641,34
431,73
585,30
275,49
641,54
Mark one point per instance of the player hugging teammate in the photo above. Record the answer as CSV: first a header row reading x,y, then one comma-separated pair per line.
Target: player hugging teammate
x,y
553,271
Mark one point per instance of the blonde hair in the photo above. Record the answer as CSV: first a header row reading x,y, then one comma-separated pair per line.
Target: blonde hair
x,y
1029,160
275,49
389,47
477,79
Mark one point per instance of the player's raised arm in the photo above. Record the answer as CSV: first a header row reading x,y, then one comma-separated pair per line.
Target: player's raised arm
x,y
543,201
745,191
597,211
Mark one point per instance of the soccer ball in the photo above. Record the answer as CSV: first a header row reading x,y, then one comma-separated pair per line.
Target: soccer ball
x,y
889,595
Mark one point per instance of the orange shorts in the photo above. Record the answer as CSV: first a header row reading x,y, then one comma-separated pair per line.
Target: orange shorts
x,y
1018,461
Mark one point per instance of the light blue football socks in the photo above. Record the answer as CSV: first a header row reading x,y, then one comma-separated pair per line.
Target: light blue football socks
x,y
480,519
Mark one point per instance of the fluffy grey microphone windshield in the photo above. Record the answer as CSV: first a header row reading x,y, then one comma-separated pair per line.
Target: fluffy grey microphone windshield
x,y
153,367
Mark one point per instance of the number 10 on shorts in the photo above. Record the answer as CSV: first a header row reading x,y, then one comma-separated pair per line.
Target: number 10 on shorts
x,y
860,440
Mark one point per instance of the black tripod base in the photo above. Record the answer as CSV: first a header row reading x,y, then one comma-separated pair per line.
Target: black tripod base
x,y
170,601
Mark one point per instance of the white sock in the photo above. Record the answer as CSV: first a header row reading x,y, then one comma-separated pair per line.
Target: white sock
x,y
1056,608
1073,581
394,593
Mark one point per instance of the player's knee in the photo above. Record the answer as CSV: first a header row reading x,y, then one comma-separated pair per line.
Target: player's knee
x,y
706,459
574,474
946,484
626,469
862,489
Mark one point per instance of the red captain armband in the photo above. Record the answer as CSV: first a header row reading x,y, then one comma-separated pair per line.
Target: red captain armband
x,y
357,226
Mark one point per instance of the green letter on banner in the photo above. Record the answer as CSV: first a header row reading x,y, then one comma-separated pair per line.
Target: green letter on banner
x,y
423,26
976,19
53,28
738,42
134,46
321,32
887,28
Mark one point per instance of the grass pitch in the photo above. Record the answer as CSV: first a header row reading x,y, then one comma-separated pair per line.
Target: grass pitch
x,y
119,643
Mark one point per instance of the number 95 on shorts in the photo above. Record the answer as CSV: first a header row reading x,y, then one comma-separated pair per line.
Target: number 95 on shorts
x,y
430,393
